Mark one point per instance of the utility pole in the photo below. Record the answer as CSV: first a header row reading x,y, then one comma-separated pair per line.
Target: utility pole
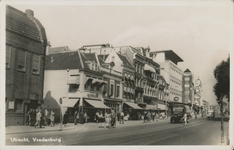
x,y
221,110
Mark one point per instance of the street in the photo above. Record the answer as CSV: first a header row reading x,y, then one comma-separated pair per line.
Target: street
x,y
198,132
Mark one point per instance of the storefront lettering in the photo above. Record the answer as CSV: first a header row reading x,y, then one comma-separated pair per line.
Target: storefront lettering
x,y
93,95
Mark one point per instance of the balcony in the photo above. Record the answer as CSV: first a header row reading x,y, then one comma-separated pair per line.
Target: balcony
x,y
73,80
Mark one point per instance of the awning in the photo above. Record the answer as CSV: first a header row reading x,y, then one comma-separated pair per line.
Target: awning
x,y
161,107
133,105
150,107
89,79
102,83
97,104
95,81
147,67
71,103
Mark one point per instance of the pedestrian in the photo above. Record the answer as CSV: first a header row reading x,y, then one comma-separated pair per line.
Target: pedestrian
x,y
65,119
145,117
118,116
156,116
52,118
153,115
81,117
38,118
108,119
41,120
101,120
113,119
85,117
75,117
185,118
33,117
28,118
46,118
96,116
122,117
195,115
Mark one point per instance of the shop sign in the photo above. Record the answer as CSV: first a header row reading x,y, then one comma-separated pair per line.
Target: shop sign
x,y
176,99
92,95
11,105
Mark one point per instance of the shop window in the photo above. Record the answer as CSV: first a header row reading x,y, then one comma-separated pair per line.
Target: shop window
x,y
111,90
21,60
18,105
8,56
36,64
117,91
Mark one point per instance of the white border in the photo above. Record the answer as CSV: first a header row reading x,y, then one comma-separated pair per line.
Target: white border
x,y
113,2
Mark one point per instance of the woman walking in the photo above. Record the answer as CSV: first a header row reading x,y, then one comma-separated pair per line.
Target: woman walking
x,y
101,120
108,119
52,118
65,119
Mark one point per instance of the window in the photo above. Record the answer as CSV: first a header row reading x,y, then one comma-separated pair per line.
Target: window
x,y
186,85
21,60
8,56
18,105
186,79
36,64
112,90
117,90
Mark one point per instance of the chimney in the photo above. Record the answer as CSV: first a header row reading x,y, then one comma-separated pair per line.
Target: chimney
x,y
104,55
48,48
29,13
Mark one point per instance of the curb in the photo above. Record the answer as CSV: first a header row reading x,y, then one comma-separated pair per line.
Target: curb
x,y
41,131
70,128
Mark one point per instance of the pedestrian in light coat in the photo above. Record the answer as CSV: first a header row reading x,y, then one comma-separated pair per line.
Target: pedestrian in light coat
x,y
52,118
38,118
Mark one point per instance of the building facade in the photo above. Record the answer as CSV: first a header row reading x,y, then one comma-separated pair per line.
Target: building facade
x,y
78,80
25,51
188,87
168,61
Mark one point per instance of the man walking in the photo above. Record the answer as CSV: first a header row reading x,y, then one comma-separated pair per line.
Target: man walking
x,y
185,119
122,117
113,117
75,117
153,115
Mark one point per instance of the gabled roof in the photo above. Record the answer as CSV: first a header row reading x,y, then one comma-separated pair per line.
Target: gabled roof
x,y
24,26
170,54
162,78
125,60
102,56
187,70
63,61
53,50
137,50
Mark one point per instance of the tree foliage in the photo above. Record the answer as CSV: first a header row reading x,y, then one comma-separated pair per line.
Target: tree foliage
x,y
222,75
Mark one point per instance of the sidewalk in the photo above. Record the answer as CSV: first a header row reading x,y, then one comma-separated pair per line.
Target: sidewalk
x,y
71,126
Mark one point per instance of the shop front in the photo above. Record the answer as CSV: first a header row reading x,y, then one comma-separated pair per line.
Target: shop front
x,y
114,104
132,111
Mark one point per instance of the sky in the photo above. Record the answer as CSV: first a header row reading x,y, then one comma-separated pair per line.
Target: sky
x,y
200,34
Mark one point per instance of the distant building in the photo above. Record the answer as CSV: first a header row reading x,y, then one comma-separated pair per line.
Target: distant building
x,y
188,87
54,50
198,94
168,60
25,53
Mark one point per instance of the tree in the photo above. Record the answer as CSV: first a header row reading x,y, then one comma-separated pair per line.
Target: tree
x,y
222,75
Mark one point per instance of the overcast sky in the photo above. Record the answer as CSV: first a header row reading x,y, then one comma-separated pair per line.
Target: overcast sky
x,y
199,34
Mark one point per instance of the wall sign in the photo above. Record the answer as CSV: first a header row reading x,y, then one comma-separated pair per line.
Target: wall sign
x,y
176,99
92,95
11,105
